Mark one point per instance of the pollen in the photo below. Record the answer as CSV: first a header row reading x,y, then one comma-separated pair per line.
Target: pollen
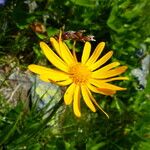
x,y
79,73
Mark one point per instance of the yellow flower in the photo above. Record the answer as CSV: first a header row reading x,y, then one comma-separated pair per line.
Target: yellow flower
x,y
83,76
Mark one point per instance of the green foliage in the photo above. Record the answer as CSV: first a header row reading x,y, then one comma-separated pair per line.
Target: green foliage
x,y
88,3
124,26
19,124
129,21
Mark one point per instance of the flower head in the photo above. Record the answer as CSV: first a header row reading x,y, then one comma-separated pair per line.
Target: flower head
x,y
81,77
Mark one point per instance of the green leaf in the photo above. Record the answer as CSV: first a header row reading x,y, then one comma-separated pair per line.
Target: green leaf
x,y
144,145
21,15
41,36
52,31
85,3
98,146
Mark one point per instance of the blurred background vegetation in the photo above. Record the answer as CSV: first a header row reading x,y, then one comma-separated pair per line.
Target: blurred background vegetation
x,y
125,27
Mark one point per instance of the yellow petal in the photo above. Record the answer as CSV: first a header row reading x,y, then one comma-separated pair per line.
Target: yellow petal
x,y
56,76
39,69
53,58
59,81
116,71
102,85
86,52
64,83
101,61
48,73
43,78
106,91
100,73
55,44
100,90
94,101
86,98
76,101
96,53
63,51
66,54
116,78
68,96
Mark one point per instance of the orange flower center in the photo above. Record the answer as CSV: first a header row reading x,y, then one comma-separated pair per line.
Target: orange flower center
x,y
79,73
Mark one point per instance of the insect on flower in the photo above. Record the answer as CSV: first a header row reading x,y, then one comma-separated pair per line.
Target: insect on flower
x,y
76,36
